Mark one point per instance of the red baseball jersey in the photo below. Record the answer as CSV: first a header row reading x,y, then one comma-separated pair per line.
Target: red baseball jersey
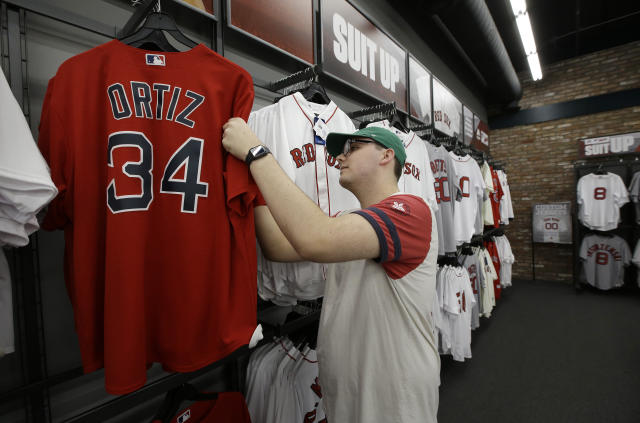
x,y
230,407
495,197
493,252
158,219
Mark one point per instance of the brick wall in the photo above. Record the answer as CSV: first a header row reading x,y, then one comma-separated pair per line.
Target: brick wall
x,y
540,157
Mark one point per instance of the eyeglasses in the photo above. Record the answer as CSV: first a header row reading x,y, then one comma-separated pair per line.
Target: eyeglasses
x,y
346,149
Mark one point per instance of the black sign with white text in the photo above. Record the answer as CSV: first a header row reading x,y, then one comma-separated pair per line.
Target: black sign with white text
x,y
358,53
610,145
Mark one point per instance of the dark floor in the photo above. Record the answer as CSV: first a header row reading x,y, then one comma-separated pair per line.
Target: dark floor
x,y
549,354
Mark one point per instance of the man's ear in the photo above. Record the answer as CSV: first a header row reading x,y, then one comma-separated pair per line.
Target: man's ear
x,y
389,156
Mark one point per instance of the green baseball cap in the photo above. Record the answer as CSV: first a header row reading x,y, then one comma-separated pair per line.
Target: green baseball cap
x,y
336,140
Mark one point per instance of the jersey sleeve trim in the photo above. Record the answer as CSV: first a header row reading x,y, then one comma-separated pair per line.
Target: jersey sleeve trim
x,y
393,231
381,240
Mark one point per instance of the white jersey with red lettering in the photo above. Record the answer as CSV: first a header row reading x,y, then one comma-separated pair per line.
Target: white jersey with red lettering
x,y
506,205
604,259
447,188
467,214
416,178
506,259
295,130
458,302
487,211
472,265
599,199
489,275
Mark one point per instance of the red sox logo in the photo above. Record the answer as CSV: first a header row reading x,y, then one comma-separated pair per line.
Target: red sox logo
x,y
307,154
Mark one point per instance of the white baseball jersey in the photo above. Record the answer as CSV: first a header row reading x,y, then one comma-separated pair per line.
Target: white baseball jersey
x,y
295,130
440,320
458,300
487,211
447,188
489,275
604,259
634,194
636,259
6,308
599,200
467,213
506,259
506,206
472,266
25,181
416,178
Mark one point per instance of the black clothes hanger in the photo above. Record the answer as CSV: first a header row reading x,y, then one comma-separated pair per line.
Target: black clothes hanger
x,y
315,93
176,396
396,122
600,170
151,36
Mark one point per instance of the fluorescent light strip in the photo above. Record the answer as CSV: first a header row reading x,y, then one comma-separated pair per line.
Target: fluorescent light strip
x,y
526,36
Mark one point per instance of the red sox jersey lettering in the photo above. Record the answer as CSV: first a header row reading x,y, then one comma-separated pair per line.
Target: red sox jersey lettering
x,y
307,154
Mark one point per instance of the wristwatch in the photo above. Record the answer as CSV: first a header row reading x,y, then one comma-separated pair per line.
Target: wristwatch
x,y
255,153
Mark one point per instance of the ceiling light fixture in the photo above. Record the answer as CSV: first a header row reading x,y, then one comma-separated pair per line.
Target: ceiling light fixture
x,y
526,35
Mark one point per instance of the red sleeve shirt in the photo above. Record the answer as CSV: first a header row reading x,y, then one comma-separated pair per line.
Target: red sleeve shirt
x,y
403,226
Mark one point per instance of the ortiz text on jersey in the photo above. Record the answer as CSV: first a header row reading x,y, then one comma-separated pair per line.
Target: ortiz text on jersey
x,y
142,102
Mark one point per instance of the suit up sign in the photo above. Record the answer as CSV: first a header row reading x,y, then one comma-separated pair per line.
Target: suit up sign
x,y
359,54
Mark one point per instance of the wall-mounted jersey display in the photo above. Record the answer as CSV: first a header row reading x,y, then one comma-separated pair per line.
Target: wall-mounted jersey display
x,y
282,384
604,259
599,200
158,219
295,130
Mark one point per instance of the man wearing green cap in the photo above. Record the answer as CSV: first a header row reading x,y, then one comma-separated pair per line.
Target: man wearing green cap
x,y
377,347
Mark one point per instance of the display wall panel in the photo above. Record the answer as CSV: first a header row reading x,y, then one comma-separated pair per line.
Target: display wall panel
x,y
361,55
419,91
286,25
447,110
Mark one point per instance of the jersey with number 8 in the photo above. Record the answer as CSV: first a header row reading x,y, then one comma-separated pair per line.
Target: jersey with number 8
x,y
600,198
158,219
604,258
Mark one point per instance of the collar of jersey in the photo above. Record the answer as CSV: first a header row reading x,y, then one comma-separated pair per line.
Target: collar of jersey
x,y
326,114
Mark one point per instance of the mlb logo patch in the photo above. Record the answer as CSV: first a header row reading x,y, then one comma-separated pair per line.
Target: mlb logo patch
x,y
184,417
155,59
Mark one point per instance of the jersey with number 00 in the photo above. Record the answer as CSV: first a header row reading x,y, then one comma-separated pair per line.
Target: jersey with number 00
x,y
599,199
604,259
158,219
